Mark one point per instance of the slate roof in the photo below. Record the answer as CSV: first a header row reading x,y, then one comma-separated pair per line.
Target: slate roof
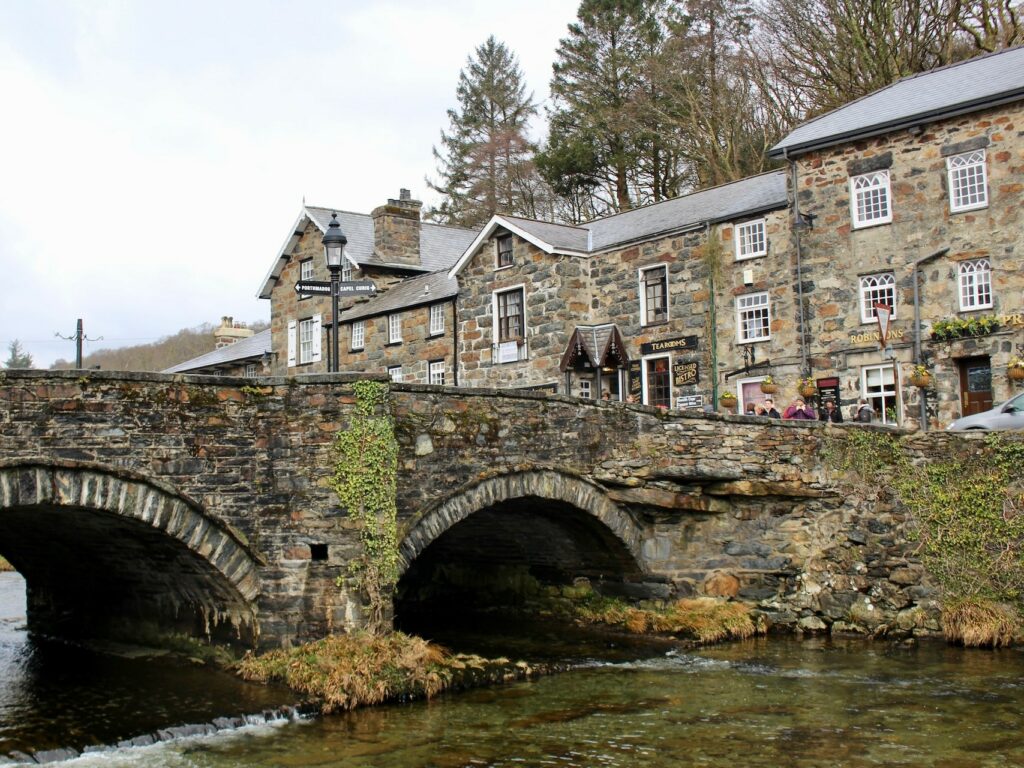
x,y
966,86
253,347
597,341
561,236
413,292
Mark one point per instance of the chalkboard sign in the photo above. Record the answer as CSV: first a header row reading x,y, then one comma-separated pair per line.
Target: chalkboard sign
x,y
636,381
689,401
684,373
828,389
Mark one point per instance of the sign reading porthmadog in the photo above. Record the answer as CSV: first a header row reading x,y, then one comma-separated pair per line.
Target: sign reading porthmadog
x,y
323,288
313,287
669,345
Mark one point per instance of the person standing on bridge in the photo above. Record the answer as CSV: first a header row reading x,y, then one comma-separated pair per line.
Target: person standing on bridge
x,y
800,410
770,410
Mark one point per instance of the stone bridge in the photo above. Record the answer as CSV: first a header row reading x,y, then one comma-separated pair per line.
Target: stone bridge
x,y
203,505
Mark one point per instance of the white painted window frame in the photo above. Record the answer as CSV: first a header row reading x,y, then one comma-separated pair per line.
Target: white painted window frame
x,y
741,309
436,372
395,373
496,325
643,376
642,290
309,340
436,320
967,170
250,371
497,250
395,328
869,297
894,392
744,239
864,185
305,273
585,391
968,284
358,335
346,271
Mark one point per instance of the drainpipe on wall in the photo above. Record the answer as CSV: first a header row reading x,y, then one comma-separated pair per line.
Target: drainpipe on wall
x,y
714,321
797,223
923,399
455,342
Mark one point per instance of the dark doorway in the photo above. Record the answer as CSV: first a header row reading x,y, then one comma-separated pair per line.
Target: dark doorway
x,y
975,384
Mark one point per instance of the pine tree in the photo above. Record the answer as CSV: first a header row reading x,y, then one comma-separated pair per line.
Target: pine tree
x,y
599,137
485,158
18,357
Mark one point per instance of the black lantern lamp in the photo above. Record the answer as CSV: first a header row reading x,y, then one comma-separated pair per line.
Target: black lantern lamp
x,y
334,246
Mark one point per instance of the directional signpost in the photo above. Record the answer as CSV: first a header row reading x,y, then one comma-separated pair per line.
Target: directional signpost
x,y
323,288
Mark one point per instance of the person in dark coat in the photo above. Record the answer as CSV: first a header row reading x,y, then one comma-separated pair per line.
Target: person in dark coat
x,y
831,413
863,413
770,410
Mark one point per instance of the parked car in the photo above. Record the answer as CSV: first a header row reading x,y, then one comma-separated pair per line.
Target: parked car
x,y
1008,415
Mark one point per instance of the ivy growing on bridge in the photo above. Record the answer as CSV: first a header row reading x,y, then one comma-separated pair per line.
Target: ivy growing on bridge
x,y
366,462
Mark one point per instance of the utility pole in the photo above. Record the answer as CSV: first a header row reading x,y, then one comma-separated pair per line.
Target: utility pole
x,y
78,338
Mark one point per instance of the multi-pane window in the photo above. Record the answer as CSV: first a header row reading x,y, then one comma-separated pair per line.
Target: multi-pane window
x,y
870,199
437,372
505,258
751,240
975,284
306,328
346,270
436,319
250,370
395,373
659,385
967,187
753,317
358,334
305,273
585,389
877,289
653,295
510,315
879,387
394,328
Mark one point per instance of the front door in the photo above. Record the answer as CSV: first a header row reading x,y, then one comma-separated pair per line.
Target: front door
x,y
975,384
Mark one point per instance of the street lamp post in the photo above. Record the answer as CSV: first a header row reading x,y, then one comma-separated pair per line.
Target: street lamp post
x,y
334,245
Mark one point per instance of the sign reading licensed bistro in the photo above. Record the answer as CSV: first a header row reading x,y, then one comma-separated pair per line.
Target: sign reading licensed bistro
x,y
681,344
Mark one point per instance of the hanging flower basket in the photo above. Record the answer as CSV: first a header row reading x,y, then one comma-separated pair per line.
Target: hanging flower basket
x,y
806,387
1015,370
768,385
920,377
727,400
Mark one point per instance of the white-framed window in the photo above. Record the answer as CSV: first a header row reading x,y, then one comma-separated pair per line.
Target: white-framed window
x,y
309,341
753,318
250,370
870,199
395,373
437,372
968,189
585,389
505,256
346,270
878,386
358,334
975,277
751,240
395,329
508,309
877,289
436,319
653,295
305,273
657,377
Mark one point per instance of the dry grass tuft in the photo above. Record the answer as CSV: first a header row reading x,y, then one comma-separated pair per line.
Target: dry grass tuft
x,y
5,566
348,671
704,619
979,623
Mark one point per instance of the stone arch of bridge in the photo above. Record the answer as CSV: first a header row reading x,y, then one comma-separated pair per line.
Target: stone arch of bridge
x,y
543,484
95,540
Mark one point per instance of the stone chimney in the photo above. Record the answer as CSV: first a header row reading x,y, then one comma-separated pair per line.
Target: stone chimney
x,y
230,332
396,230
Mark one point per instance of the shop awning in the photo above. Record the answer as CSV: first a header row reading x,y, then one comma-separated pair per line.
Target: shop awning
x,y
600,346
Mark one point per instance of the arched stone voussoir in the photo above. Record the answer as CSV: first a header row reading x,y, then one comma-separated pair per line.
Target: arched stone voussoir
x,y
129,495
550,484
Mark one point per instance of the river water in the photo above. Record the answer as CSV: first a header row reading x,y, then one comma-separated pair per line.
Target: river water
x,y
766,702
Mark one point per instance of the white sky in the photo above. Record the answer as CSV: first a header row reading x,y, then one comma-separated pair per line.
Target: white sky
x,y
153,156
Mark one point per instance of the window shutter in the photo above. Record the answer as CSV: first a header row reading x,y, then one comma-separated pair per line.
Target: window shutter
x,y
291,343
317,340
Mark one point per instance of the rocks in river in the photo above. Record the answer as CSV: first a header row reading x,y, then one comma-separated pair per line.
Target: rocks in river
x,y
55,755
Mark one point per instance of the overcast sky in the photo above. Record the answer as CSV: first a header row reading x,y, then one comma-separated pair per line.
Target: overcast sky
x,y
153,156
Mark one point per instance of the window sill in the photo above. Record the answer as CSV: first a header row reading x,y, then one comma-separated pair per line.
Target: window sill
x,y
434,335
979,308
752,256
655,324
754,341
393,344
502,269
353,350
968,209
856,226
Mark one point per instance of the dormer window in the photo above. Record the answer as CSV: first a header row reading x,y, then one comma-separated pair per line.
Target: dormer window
x,y
505,258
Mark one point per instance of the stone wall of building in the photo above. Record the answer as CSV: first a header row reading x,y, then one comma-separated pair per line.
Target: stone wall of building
x,y
414,354
557,293
836,255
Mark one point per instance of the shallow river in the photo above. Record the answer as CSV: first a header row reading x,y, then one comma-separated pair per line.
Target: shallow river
x,y
770,702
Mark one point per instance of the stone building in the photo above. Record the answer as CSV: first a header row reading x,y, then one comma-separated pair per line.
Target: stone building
x,y
239,351
921,181
405,328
